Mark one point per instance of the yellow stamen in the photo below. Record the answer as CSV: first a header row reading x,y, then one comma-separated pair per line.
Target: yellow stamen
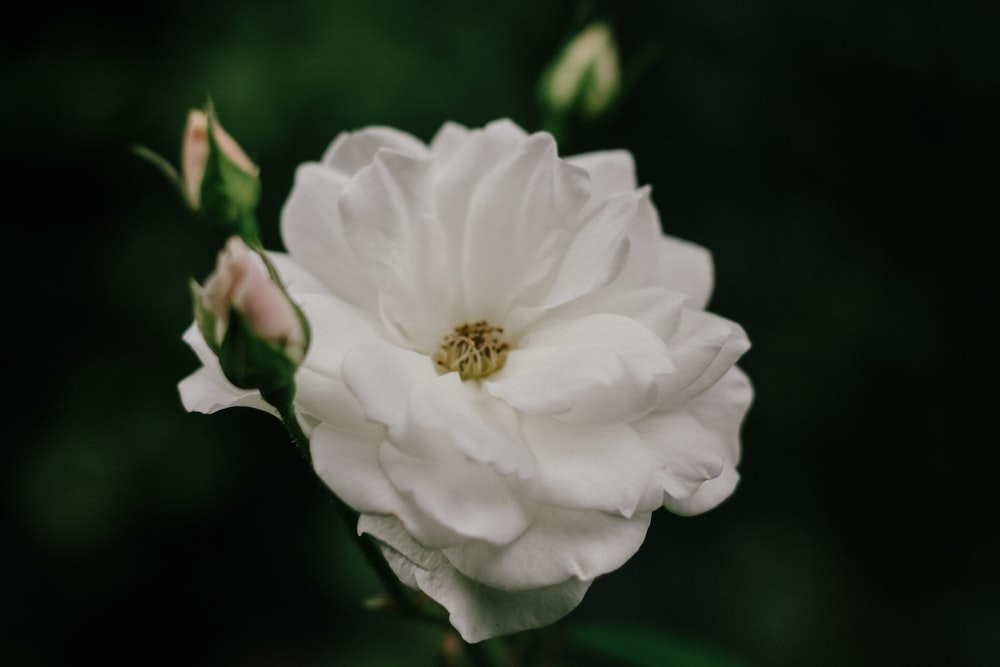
x,y
474,350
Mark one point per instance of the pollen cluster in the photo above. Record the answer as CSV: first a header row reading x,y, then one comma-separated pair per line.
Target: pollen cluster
x,y
473,350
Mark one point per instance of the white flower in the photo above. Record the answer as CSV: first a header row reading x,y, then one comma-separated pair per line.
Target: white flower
x,y
511,366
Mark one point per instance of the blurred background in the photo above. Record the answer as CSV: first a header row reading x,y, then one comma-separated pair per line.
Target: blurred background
x,y
839,159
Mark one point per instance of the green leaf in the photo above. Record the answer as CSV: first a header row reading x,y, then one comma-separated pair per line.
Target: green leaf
x,y
638,647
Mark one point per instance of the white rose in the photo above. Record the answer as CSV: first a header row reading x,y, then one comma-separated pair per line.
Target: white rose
x,y
511,366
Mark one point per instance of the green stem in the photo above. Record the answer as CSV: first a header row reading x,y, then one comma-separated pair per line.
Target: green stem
x,y
247,227
281,399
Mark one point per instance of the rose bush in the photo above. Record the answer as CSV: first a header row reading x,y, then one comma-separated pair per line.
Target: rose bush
x,y
511,365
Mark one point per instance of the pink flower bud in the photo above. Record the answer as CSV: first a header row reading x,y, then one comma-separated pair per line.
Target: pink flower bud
x,y
241,281
195,151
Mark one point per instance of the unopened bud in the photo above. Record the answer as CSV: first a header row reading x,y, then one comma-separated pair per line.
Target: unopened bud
x,y
585,78
217,177
259,334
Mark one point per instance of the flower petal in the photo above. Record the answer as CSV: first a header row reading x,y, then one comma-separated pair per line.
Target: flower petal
x,y
337,327
685,267
595,369
468,499
520,217
389,221
296,278
580,467
348,463
437,428
657,309
611,172
561,545
462,159
598,253
383,378
477,611
352,151
380,209
698,447
465,419
704,348
207,390
312,232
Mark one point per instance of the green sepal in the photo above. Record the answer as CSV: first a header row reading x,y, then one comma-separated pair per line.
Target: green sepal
x,y
250,362
204,317
229,194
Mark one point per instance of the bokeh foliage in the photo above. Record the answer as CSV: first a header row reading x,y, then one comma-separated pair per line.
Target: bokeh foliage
x,y
838,159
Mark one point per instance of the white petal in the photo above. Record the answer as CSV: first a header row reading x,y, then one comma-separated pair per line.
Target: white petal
x,y
704,348
462,160
383,377
599,251
207,390
645,238
336,327
348,462
604,468
311,224
380,207
478,612
467,499
520,219
312,232
561,545
698,447
596,369
436,428
295,277
685,267
352,151
611,172
388,216
612,257
463,418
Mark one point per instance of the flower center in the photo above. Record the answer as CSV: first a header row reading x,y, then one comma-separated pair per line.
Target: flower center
x,y
474,350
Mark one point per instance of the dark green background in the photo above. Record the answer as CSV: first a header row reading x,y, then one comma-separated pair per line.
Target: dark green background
x,y
839,159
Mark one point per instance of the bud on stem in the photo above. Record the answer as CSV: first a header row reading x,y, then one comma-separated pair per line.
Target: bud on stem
x,y
249,321
584,81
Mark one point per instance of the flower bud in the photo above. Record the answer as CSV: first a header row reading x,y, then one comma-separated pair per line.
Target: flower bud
x,y
249,321
585,78
217,177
